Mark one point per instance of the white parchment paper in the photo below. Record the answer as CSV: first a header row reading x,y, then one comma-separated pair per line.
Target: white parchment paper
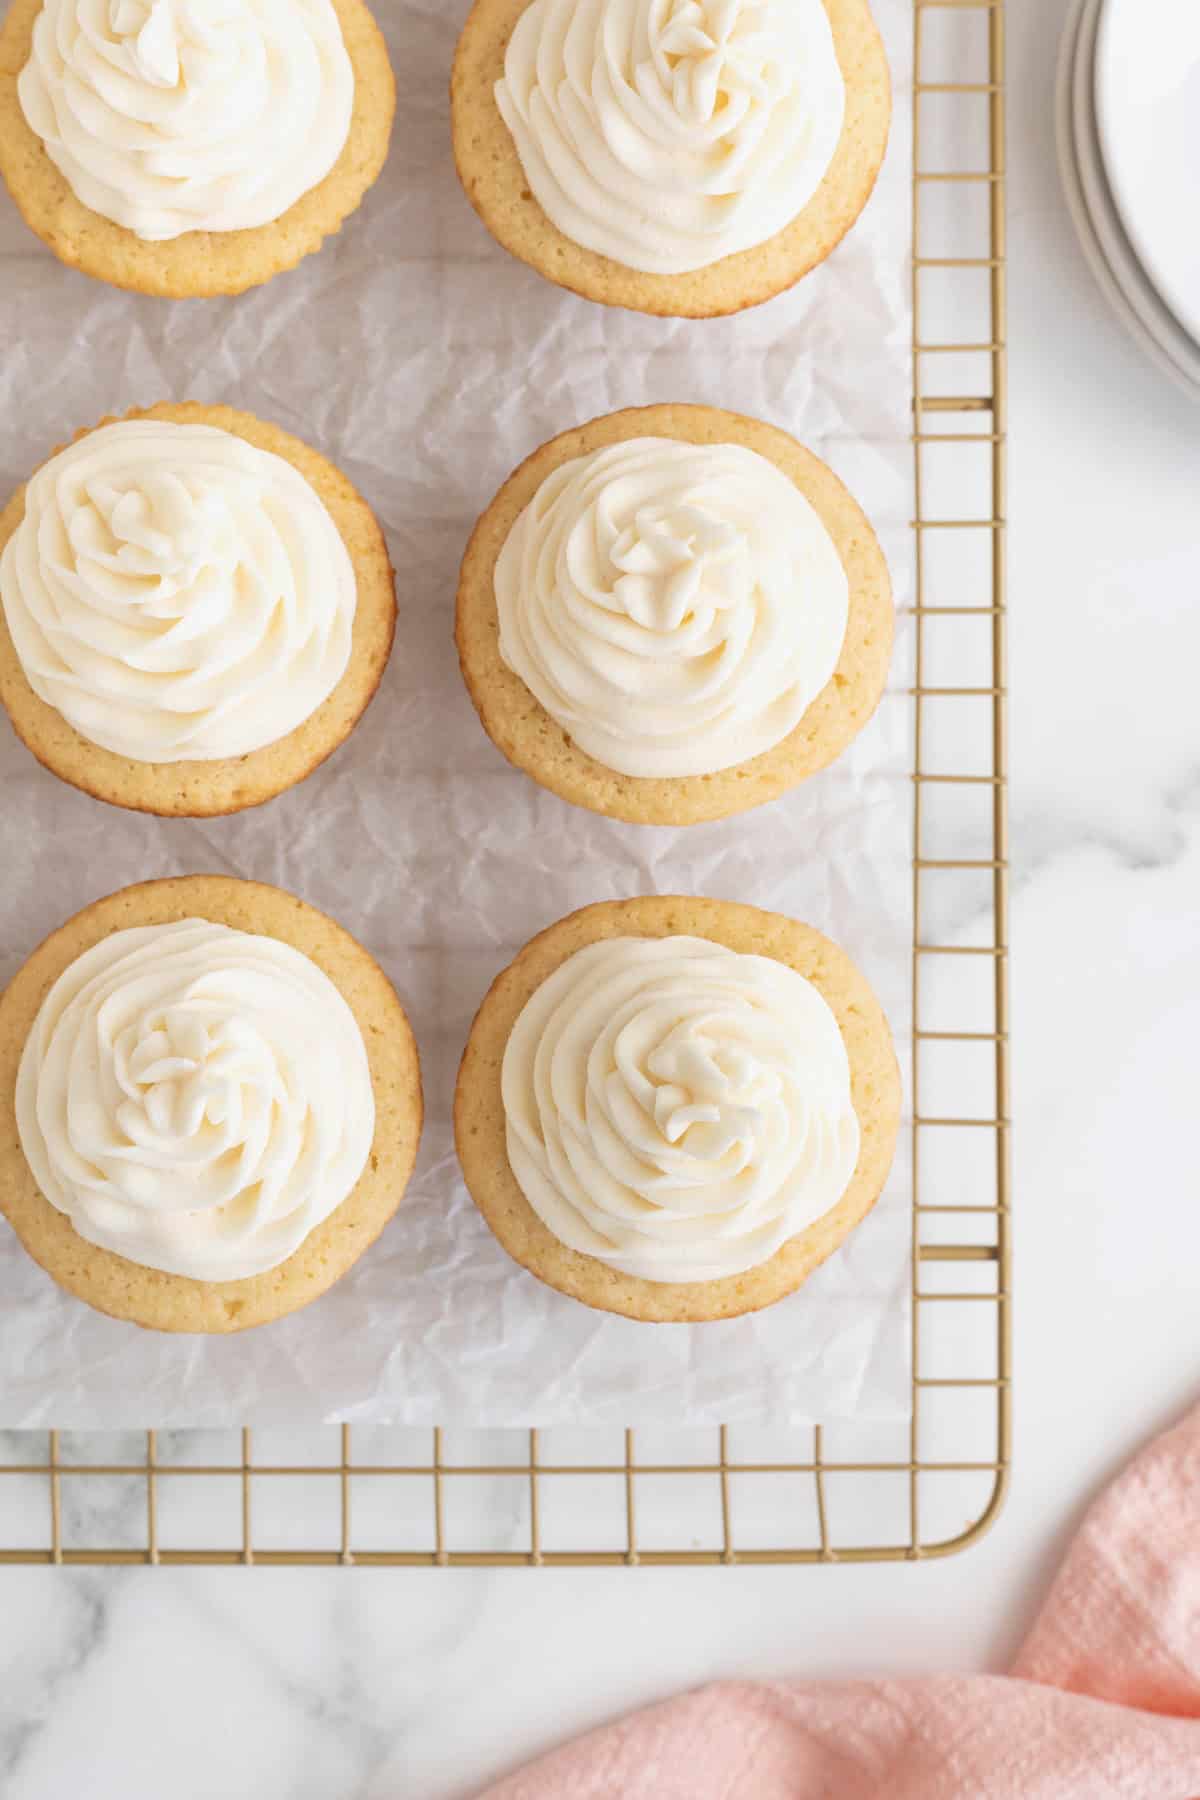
x,y
427,364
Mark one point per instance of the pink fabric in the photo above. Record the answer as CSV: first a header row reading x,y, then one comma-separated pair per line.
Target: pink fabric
x,y
1104,1701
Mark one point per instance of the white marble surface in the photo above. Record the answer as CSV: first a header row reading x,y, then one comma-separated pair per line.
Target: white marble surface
x,y
375,1685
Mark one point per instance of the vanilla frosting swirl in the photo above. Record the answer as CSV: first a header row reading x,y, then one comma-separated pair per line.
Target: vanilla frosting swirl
x,y
668,134
176,593
168,116
675,607
196,1099
677,1109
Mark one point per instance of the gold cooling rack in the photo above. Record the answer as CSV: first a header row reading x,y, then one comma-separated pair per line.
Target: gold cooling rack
x,y
833,1494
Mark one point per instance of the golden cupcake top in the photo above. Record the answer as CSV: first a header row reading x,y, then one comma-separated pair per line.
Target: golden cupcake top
x,y
191,147
195,609
676,1108
687,158
673,614
210,1104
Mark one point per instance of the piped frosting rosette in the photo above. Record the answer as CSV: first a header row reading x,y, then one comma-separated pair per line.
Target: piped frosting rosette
x,y
669,134
675,607
170,116
196,1099
176,593
677,1109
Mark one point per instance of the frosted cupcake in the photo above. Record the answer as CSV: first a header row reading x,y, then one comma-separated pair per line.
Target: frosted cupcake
x,y
210,1103
189,147
676,1108
195,610
687,157
673,614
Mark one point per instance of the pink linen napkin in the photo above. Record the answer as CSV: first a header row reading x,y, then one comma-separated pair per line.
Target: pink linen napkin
x,y
1103,1704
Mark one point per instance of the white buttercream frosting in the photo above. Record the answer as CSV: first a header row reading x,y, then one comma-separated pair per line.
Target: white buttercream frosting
x,y
668,134
196,1099
168,116
677,1109
675,607
176,593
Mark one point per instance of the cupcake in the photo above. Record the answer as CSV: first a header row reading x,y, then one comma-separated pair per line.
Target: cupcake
x,y
672,615
210,1103
185,149
676,1109
681,157
196,609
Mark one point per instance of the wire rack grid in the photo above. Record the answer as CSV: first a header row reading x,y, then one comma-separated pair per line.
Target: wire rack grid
x,y
834,1494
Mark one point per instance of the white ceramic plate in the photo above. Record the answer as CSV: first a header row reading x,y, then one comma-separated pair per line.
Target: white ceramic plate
x,y
1119,253
1076,205
1147,85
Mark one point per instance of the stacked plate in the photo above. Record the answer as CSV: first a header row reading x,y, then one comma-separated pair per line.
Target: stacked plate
x,y
1129,149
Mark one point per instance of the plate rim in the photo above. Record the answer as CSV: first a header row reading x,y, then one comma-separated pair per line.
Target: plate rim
x,y
1184,308
1119,253
1085,231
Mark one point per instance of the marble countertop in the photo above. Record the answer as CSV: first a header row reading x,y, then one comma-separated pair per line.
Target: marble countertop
x,y
369,1685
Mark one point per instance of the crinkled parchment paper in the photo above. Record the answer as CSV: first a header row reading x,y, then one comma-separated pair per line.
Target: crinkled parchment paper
x,y
426,363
